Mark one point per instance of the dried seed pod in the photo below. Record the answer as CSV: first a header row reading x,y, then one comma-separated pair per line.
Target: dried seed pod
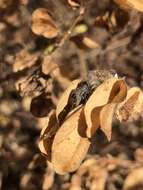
x,y
43,24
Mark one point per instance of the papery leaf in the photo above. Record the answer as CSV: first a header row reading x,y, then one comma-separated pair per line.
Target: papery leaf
x,y
106,117
43,24
65,96
47,135
70,146
108,91
131,106
74,3
128,4
118,92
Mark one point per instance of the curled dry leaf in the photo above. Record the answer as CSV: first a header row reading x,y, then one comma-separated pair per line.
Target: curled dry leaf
x,y
127,4
47,135
112,90
64,98
66,143
106,116
132,105
134,179
43,24
69,147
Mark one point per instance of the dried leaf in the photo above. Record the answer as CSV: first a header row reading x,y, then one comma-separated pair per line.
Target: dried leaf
x,y
112,90
134,179
118,92
127,4
131,106
64,98
47,135
69,147
43,24
41,106
74,3
90,43
48,65
23,60
106,116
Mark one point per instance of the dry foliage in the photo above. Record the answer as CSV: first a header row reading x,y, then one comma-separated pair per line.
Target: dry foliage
x,y
43,24
131,4
69,144
52,47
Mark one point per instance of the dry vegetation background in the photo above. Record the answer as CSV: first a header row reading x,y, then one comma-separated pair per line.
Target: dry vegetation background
x,y
40,54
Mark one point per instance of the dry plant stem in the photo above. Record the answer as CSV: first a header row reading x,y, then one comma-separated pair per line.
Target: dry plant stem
x,y
65,37
113,46
69,32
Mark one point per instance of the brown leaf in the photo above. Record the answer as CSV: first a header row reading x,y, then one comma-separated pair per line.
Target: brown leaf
x,y
112,90
106,116
74,3
23,60
41,106
118,92
47,135
48,65
90,43
127,4
43,24
69,147
64,98
131,106
134,179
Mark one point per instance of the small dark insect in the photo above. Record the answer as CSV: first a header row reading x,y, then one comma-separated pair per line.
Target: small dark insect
x,y
83,91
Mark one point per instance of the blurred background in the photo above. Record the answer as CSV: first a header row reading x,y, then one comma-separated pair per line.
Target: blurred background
x,y
107,36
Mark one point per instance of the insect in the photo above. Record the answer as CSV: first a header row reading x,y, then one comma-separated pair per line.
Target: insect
x,y
83,91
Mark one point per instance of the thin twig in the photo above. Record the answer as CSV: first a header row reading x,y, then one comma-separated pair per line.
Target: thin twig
x,y
68,33
66,36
